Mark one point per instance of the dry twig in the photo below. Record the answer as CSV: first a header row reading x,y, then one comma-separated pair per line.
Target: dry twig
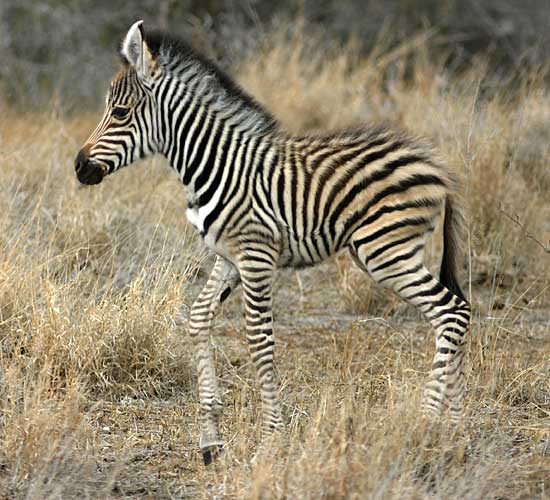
x,y
515,218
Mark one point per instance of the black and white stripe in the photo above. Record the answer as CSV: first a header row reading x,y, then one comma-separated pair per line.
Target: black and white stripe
x,y
263,199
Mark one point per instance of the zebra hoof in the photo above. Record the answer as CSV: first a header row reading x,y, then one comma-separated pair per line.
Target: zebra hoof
x,y
211,453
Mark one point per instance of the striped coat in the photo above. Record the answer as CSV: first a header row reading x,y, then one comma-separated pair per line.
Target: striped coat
x,y
263,199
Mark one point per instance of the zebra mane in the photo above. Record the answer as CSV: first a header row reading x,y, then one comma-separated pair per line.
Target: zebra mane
x,y
174,52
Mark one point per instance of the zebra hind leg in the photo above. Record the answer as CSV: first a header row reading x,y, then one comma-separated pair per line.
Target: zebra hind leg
x,y
403,272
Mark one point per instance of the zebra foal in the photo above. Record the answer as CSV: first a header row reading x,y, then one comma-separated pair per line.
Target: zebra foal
x,y
262,199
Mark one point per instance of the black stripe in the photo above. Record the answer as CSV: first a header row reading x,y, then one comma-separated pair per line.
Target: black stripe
x,y
197,147
397,259
380,250
281,192
182,135
255,322
255,308
293,180
207,170
212,169
229,164
263,336
400,187
341,184
415,269
422,281
412,221
241,204
436,289
369,158
453,319
443,301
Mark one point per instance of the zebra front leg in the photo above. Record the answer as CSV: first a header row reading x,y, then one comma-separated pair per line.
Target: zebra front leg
x,y
257,272
223,278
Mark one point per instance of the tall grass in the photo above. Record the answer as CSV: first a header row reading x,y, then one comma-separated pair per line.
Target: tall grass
x,y
98,392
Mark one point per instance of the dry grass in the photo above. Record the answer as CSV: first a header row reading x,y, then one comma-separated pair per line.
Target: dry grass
x,y
98,395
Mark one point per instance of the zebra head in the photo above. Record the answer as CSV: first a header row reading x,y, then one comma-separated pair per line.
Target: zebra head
x,y
127,130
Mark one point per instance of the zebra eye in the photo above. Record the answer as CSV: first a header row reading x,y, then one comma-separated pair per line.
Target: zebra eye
x,y
120,112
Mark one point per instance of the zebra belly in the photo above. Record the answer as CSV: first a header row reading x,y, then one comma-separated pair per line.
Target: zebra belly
x,y
218,247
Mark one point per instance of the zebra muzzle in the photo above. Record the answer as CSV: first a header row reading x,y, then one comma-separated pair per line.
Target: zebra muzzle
x,y
88,172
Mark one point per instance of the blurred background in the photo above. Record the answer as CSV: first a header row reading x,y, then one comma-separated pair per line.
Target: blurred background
x,y
68,49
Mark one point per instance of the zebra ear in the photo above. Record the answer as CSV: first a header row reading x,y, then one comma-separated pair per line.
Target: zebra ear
x,y
135,51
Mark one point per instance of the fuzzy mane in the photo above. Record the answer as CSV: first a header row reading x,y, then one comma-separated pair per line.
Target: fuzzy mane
x,y
167,48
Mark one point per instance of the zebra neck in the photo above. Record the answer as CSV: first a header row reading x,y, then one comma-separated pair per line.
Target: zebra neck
x,y
205,142
204,122
200,153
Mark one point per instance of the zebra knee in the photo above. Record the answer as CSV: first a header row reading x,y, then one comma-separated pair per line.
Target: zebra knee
x,y
225,293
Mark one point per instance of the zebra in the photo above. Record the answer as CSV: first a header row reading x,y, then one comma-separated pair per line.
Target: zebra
x,y
263,199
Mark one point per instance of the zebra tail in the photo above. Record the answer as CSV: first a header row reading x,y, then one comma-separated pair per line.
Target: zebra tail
x,y
453,223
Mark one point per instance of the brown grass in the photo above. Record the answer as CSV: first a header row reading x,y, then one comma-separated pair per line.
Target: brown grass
x,y
98,395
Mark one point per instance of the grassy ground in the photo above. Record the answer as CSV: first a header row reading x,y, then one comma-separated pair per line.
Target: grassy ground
x,y
99,396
